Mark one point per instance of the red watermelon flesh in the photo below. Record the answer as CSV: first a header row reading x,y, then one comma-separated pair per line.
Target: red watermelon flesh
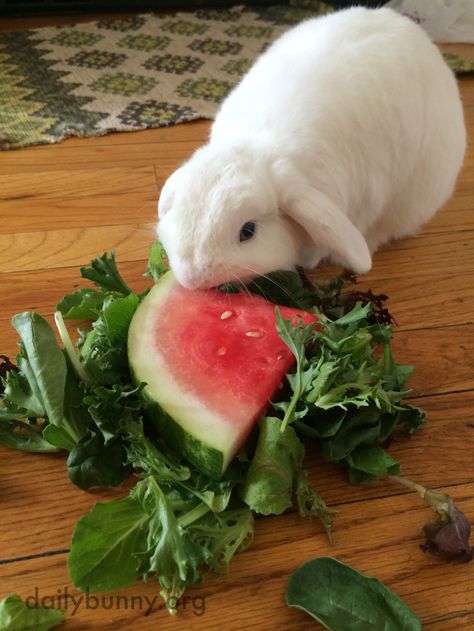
x,y
212,362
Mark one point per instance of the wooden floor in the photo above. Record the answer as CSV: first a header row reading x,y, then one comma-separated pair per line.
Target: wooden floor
x,y
64,204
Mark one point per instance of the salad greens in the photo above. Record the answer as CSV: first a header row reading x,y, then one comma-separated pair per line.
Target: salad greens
x,y
344,398
16,615
343,599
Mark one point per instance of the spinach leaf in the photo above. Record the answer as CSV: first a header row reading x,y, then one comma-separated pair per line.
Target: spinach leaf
x,y
93,464
16,615
366,464
343,599
105,545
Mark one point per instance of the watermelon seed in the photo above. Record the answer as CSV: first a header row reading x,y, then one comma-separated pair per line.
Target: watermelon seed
x,y
222,350
226,314
254,334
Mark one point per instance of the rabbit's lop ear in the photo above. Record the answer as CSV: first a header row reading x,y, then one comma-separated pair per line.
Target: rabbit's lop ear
x,y
330,229
168,192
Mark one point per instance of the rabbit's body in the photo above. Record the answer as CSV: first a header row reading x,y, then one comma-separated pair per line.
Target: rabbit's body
x,y
353,114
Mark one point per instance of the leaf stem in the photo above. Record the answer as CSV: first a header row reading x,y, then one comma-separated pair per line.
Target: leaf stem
x,y
437,500
193,515
414,486
69,348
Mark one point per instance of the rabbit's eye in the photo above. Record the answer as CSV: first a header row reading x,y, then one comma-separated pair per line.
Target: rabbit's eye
x,y
247,231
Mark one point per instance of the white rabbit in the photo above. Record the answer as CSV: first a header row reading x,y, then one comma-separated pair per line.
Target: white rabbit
x,y
346,133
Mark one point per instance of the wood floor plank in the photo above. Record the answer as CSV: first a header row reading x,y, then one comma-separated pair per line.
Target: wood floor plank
x,y
141,154
62,205
451,301
378,538
50,249
436,254
82,199
434,457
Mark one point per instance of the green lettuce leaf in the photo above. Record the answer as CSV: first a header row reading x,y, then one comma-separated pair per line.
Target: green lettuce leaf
x,y
105,543
103,272
17,615
343,599
271,479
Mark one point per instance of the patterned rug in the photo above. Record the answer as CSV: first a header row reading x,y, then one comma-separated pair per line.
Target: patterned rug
x,y
129,74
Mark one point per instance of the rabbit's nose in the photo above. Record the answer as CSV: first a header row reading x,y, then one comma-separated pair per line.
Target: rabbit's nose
x,y
188,278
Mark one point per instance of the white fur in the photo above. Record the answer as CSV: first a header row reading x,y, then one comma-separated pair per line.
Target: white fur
x,y
346,133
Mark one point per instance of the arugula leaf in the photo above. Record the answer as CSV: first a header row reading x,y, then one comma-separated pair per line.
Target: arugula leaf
x,y
104,274
296,338
271,479
337,368
311,504
343,599
182,480
16,615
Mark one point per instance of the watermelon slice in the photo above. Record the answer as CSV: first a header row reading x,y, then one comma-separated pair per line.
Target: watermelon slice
x,y
211,362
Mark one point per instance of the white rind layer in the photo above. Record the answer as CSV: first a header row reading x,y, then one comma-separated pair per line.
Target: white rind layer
x,y
149,365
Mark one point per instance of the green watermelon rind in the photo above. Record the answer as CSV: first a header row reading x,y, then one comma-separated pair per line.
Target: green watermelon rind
x,y
208,460
164,397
